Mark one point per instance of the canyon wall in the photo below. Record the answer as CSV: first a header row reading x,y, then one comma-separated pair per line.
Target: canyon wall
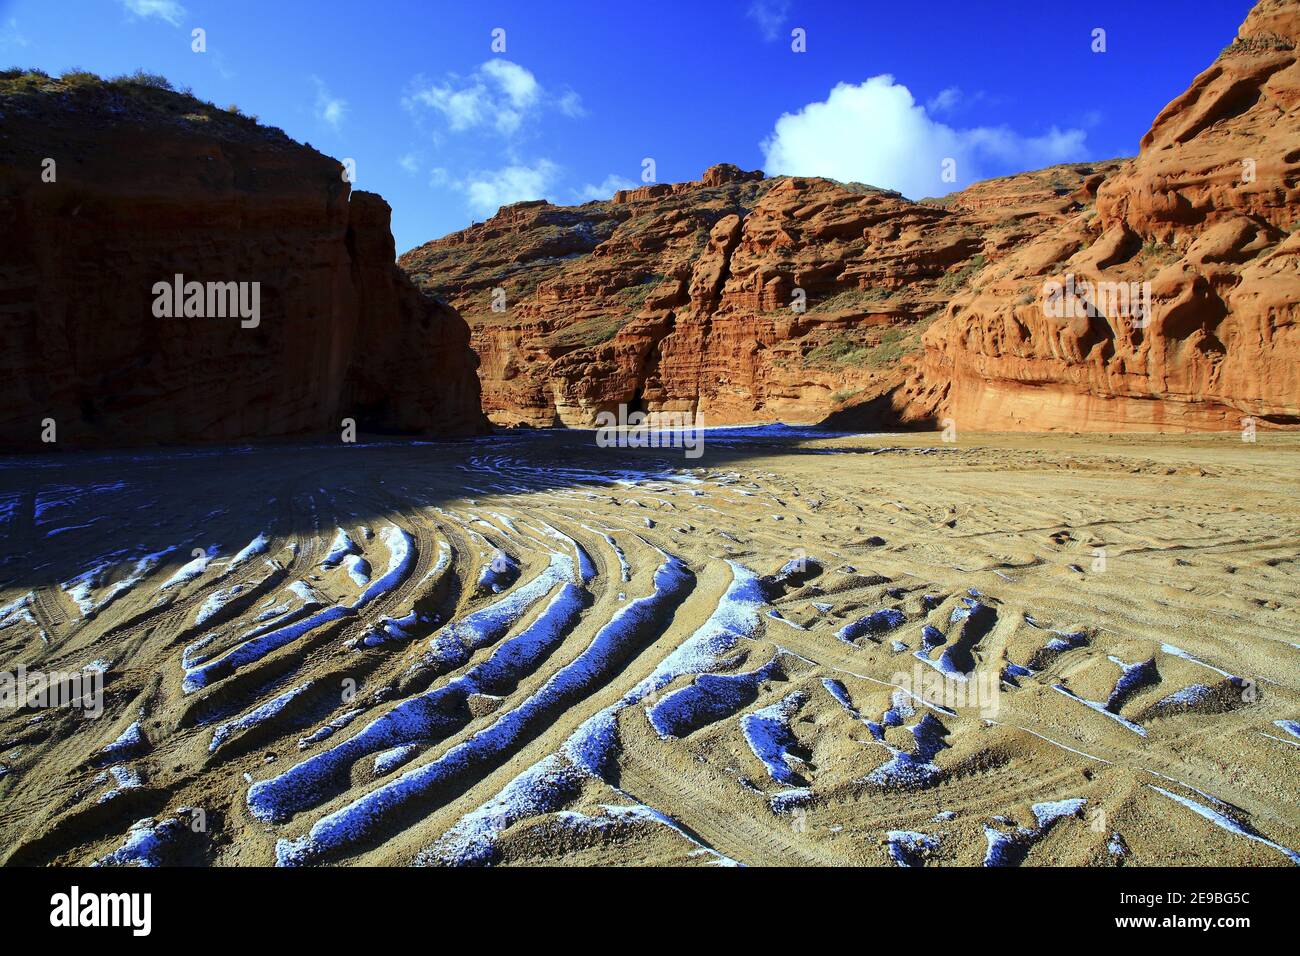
x,y
750,299
1206,214
107,188
736,297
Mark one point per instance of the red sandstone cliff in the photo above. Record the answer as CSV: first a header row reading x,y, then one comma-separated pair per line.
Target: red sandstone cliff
x,y
1206,214
151,183
678,297
681,297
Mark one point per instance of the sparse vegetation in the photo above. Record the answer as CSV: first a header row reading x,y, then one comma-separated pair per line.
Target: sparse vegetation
x,y
954,281
893,345
850,299
594,331
894,342
153,81
79,77
1154,249
841,350
1259,43
635,295
139,93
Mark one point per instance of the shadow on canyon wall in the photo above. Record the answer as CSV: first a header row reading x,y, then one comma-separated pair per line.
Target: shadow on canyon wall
x,y
879,414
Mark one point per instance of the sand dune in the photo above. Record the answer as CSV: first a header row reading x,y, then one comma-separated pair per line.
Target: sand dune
x,y
801,648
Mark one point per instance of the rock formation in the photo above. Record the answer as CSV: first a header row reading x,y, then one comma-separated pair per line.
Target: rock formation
x,y
1013,304
1206,215
1157,293
687,297
107,188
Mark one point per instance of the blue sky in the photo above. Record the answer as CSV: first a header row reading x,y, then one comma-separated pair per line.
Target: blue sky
x,y
446,129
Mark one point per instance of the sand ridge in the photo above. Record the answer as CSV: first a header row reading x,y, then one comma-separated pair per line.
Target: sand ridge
x,y
449,653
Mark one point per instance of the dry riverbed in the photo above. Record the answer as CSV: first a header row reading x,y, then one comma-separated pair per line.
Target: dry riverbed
x,y
799,648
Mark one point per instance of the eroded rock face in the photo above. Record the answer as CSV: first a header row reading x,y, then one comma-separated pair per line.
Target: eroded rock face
x,y
679,297
684,297
149,184
1206,215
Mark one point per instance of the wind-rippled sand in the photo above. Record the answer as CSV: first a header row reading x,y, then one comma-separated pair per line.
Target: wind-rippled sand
x,y
527,649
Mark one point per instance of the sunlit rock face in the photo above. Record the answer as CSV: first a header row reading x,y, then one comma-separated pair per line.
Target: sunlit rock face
x,y
736,297
1205,215
747,299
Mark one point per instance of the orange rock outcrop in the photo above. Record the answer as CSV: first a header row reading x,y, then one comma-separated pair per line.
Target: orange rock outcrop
x,y
1206,214
1157,293
736,297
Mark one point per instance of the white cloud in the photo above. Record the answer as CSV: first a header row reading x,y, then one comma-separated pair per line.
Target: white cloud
x,y
570,104
770,15
604,189
518,84
409,162
10,37
219,61
168,10
499,94
945,101
487,191
954,99
876,133
329,109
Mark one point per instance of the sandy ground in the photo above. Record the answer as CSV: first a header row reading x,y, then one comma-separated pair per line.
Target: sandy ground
x,y
530,650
